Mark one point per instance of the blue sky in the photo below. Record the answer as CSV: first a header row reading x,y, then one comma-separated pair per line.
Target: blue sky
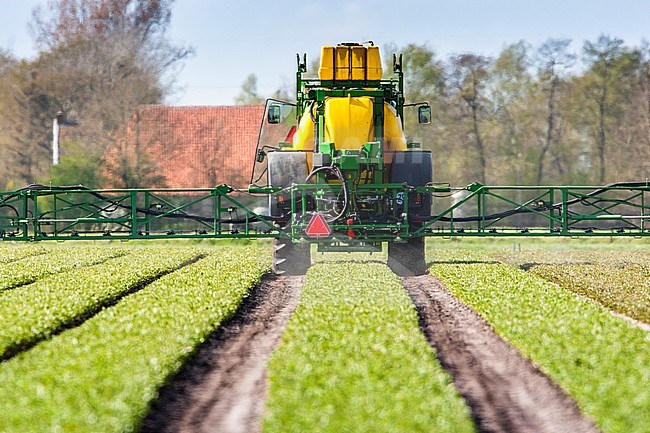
x,y
236,38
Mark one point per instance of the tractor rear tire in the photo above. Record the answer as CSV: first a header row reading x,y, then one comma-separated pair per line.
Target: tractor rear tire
x,y
284,169
407,259
290,258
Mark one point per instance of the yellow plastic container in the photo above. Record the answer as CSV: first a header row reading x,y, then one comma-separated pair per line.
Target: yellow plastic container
x,y
348,122
343,63
350,63
358,63
326,70
373,63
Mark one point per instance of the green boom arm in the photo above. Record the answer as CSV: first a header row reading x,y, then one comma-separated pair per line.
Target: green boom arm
x,y
68,213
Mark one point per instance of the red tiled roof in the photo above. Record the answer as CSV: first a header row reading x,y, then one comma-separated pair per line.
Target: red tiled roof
x,y
199,146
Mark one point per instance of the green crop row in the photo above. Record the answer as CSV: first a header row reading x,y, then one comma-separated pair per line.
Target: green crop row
x,y
32,268
529,259
352,358
102,375
12,253
33,312
616,279
625,290
601,360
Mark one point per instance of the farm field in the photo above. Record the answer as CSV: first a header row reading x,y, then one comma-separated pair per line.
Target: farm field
x,y
102,375
14,253
33,267
618,280
600,359
35,311
109,325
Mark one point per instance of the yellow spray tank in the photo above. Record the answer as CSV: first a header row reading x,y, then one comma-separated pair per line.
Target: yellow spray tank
x,y
349,121
349,124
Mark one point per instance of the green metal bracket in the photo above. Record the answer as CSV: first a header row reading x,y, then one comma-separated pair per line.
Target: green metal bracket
x,y
327,148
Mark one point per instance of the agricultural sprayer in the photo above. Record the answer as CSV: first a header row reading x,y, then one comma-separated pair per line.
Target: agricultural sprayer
x,y
335,169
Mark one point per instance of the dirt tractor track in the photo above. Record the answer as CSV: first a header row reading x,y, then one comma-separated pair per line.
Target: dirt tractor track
x,y
504,390
222,388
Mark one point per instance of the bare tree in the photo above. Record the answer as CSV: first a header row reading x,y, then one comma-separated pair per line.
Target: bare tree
x,y
513,111
610,63
24,111
99,60
468,76
553,60
632,132
7,63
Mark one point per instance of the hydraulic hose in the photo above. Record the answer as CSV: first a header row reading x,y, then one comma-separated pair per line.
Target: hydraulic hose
x,y
542,208
115,205
346,193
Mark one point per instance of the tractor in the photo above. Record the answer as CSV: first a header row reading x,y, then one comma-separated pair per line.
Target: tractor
x,y
347,174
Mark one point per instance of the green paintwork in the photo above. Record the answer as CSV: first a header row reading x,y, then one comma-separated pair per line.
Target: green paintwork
x,y
51,214
559,211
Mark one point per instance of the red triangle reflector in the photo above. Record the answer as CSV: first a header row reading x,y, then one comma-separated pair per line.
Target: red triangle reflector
x,y
318,227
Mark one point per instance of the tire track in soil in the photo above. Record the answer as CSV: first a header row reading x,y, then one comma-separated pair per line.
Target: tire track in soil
x,y
504,390
222,387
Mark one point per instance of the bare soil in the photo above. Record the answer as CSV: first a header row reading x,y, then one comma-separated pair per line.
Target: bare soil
x,y
222,388
505,391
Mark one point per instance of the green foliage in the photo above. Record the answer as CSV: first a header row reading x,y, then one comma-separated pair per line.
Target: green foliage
x,y
352,357
14,253
595,253
79,166
625,290
600,359
33,312
31,269
618,280
102,375
249,94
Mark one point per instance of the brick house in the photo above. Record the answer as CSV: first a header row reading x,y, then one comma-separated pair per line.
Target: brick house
x,y
197,146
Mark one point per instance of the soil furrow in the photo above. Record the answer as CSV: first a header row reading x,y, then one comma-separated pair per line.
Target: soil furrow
x,y
222,387
504,390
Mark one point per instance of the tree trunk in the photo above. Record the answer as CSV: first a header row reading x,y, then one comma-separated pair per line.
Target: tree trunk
x,y
601,135
479,144
550,120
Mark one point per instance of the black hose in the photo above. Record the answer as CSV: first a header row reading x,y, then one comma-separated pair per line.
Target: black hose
x,y
116,204
346,193
542,208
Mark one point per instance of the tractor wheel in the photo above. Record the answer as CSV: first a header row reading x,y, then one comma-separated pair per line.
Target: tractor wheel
x,y
290,258
407,259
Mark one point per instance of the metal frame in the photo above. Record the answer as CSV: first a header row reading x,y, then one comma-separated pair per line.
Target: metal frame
x,y
617,210
485,211
51,214
556,211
